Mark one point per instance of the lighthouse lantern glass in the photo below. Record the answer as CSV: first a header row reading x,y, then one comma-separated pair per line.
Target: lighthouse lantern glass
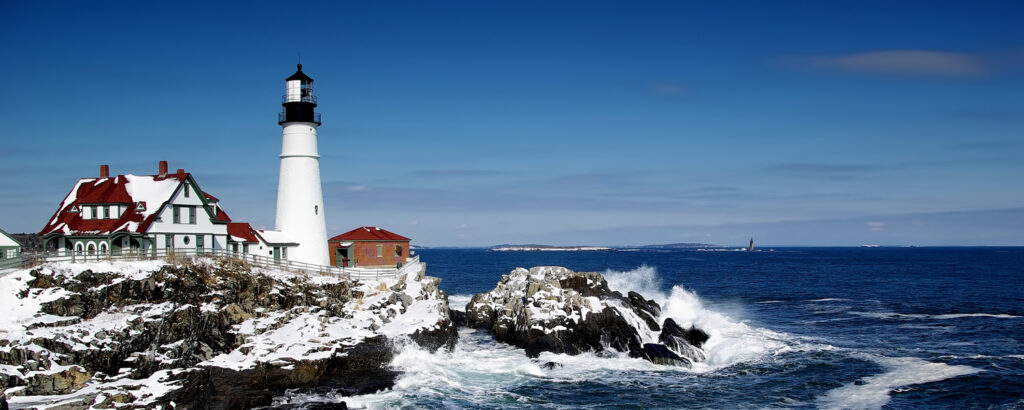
x,y
306,91
292,91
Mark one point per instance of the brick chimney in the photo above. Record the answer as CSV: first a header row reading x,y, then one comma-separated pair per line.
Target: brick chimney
x,y
104,171
163,168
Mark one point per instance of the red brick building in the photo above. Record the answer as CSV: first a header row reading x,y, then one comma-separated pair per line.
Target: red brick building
x,y
368,246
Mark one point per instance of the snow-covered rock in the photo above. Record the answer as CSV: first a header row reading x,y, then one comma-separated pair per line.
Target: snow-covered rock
x,y
206,332
553,309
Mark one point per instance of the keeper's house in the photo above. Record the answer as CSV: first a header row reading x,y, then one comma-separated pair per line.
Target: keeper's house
x,y
143,213
368,246
10,248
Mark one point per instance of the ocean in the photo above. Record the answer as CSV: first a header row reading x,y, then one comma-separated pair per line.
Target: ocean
x,y
792,328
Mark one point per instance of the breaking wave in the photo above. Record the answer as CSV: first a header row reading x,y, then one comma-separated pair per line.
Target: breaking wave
x,y
732,341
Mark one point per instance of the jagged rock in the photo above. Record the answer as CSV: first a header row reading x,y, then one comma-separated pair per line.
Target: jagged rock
x,y
553,309
458,318
685,342
66,381
550,365
168,324
659,354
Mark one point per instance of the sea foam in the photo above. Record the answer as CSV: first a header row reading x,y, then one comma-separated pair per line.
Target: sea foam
x,y
874,392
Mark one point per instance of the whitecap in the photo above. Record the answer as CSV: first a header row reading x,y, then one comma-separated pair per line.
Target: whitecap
x,y
873,392
458,302
947,316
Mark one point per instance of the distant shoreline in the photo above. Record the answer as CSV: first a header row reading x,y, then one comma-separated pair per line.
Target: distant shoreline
x,y
514,248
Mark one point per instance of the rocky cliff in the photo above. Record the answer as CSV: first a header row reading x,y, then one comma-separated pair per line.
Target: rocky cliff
x,y
553,309
203,333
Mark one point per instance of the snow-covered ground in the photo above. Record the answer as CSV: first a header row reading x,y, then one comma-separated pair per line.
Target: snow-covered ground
x,y
45,358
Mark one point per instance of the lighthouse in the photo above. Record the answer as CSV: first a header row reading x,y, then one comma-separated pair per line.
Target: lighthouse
x,y
300,200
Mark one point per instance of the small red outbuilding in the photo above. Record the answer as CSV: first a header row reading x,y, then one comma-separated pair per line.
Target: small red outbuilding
x,y
368,246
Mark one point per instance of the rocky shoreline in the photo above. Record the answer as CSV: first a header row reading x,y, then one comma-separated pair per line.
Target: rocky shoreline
x,y
216,333
205,333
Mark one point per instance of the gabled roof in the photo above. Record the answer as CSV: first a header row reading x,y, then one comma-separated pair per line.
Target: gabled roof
x,y
8,240
144,195
369,233
242,232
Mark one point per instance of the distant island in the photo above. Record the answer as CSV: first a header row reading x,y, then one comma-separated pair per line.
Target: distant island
x,y
683,245
531,247
536,247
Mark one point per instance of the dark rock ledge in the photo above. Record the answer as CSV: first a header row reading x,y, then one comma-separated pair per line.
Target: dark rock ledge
x,y
553,309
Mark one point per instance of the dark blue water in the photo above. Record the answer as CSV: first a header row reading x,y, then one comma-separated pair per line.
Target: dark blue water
x,y
797,327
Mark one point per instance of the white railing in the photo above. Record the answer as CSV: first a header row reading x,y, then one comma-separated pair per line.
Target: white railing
x,y
345,273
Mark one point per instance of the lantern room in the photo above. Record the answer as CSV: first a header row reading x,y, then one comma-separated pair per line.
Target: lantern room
x,y
298,101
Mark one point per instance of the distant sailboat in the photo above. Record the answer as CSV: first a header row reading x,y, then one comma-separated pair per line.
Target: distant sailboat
x,y
751,248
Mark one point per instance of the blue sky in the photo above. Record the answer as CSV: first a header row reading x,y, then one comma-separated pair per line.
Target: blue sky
x,y
464,124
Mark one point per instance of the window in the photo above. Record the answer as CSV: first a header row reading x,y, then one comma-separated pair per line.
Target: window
x,y
380,251
192,215
398,250
78,248
185,239
176,210
103,248
186,190
106,212
316,209
168,241
200,239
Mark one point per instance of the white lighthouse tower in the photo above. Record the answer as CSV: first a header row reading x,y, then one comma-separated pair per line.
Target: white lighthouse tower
x,y
300,201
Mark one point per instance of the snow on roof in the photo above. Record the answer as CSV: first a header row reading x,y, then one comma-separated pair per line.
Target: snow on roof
x,y
276,238
8,240
144,196
242,232
369,233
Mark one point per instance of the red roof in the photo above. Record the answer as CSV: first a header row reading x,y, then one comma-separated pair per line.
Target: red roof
x,y
369,233
243,230
142,195
222,216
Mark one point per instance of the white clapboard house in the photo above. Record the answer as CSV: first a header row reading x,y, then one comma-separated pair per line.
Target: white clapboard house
x,y
113,215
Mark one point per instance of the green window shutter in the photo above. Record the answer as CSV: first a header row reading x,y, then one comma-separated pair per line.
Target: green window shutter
x,y
177,214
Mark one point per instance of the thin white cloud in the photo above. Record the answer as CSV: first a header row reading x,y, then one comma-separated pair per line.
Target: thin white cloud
x,y
906,62
876,226
667,89
357,188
